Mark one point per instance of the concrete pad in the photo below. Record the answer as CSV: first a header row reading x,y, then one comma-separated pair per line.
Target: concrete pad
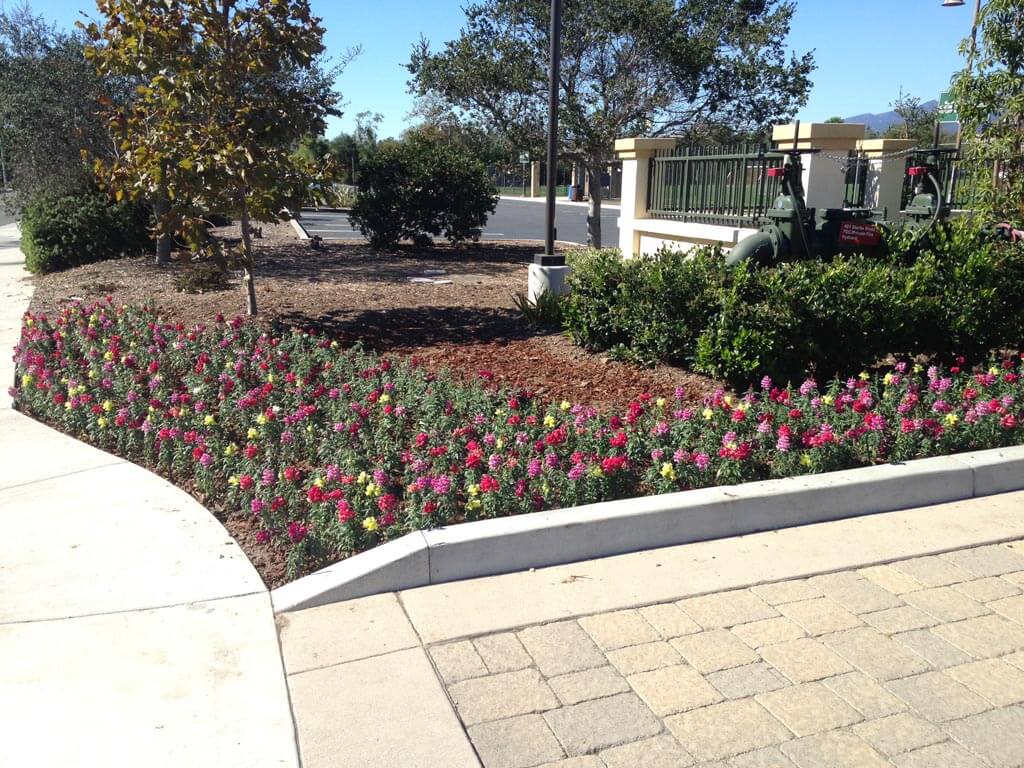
x,y
386,711
112,539
341,632
168,687
40,453
458,609
398,564
996,471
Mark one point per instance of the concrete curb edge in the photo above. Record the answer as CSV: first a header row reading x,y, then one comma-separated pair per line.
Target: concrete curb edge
x,y
507,544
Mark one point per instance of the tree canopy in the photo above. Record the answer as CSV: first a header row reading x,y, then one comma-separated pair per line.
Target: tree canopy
x,y
629,68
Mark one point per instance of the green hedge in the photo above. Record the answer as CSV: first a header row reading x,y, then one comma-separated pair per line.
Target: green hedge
x,y
62,232
963,295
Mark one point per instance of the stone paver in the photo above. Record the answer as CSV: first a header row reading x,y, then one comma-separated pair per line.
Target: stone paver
x,y
932,648
984,637
786,591
594,725
769,757
865,695
586,761
890,578
669,620
741,682
819,616
561,647
726,609
946,755
933,571
457,661
855,593
993,560
674,689
809,708
501,696
938,697
946,604
515,743
641,658
714,650
992,679
588,684
1010,607
988,589
804,660
727,729
876,655
996,736
502,652
905,619
1017,659
835,749
618,629
768,632
658,752
899,733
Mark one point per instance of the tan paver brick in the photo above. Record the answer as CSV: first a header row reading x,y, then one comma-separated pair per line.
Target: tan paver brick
x,y
726,609
669,620
786,591
588,684
946,604
809,708
769,757
457,661
804,660
741,682
727,729
893,620
855,593
835,749
933,571
674,689
891,579
819,616
594,725
984,637
932,648
938,697
501,696
865,695
659,752
560,648
944,755
641,658
996,736
876,655
618,629
1016,578
768,631
993,560
992,679
585,761
1016,659
515,743
1010,607
714,650
988,589
899,733
502,652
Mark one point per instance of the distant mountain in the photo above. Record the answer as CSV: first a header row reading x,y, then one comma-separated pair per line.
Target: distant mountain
x,y
881,120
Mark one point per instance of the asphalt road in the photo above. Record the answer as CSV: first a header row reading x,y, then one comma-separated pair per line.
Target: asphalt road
x,y
513,220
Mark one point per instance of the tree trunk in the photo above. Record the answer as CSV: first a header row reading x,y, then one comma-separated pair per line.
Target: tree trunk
x,y
594,207
247,263
161,207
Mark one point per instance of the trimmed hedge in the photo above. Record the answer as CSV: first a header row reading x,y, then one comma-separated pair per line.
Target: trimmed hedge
x,y
62,232
962,296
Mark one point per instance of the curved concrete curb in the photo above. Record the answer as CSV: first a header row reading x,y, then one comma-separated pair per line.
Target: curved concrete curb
x,y
503,545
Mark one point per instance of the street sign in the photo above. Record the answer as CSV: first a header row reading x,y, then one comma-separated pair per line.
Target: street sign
x,y
947,109
524,157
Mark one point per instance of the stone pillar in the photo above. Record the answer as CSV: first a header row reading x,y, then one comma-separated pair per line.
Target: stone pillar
x,y
635,155
824,178
884,186
535,178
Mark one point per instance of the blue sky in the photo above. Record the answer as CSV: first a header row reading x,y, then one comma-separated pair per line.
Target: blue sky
x,y
865,49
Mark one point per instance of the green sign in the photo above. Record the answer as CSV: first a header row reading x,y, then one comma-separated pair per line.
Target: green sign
x,y
946,109
524,157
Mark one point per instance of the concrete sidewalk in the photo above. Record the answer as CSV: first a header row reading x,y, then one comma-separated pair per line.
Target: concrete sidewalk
x,y
133,629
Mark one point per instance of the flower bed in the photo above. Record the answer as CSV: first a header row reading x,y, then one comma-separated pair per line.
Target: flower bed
x,y
332,451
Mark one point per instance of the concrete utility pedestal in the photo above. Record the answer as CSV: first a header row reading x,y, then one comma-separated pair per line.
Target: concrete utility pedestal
x,y
547,274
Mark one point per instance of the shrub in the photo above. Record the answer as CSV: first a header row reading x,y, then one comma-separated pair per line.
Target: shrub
x,y
332,451
962,294
63,232
545,312
419,188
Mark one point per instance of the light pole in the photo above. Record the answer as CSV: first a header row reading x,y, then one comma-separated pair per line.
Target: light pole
x,y
972,51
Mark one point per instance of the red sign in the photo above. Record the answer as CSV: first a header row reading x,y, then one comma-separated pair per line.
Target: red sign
x,y
859,233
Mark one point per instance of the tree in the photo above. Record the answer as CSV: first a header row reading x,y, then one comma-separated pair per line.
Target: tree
x,y
917,122
226,89
48,107
629,67
989,98
835,119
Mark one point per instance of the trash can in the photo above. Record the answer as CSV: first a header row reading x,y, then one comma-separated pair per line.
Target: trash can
x,y
575,192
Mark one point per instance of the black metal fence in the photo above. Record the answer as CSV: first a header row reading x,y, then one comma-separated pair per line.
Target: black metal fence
x,y
960,180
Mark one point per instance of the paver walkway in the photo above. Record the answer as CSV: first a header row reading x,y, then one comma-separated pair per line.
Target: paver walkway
x,y
133,630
